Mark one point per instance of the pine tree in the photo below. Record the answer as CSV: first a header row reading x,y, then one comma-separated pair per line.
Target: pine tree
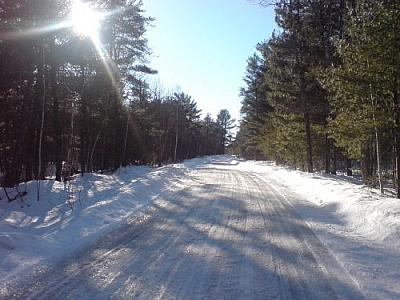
x,y
365,85
288,71
52,76
255,107
225,125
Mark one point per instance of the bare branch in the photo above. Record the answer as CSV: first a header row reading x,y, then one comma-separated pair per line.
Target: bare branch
x,y
264,3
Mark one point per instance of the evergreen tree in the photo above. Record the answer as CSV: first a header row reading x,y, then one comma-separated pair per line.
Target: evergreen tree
x,y
365,85
74,87
225,125
294,94
26,61
210,136
293,89
255,107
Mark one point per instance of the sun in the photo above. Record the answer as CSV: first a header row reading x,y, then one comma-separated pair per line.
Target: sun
x,y
85,21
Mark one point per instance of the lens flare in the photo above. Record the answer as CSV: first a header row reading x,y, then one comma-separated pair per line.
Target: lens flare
x,y
85,21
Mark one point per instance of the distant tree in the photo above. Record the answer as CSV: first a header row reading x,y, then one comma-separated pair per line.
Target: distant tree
x,y
225,125
187,118
210,144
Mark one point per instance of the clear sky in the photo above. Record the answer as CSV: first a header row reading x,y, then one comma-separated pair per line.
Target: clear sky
x,y
200,47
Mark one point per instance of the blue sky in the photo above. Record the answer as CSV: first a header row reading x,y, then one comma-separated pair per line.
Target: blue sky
x,y
200,47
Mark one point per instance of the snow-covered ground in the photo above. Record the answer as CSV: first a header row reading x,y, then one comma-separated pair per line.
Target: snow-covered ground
x,y
361,227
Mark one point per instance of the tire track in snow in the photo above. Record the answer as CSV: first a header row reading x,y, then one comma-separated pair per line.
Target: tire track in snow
x,y
305,267
173,264
225,234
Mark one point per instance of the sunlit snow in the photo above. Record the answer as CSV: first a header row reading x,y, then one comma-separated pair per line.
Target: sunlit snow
x,y
359,226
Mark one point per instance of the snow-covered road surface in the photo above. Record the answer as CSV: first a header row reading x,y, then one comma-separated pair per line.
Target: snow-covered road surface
x,y
225,233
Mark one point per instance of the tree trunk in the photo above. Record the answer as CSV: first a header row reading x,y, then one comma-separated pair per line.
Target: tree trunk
x,y
365,163
310,167
40,174
396,136
378,161
84,126
327,154
30,155
396,78
348,167
56,114
334,159
397,163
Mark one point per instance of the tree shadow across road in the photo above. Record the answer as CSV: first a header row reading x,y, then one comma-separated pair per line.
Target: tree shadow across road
x,y
227,235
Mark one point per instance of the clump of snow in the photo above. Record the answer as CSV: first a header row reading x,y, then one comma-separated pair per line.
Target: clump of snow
x,y
361,227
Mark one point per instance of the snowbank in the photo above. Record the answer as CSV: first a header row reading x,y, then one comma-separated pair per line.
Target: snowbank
x,y
360,209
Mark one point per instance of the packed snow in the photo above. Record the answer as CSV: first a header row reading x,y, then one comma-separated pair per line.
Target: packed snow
x,y
360,226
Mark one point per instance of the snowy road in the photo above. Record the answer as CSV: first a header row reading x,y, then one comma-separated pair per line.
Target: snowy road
x,y
224,233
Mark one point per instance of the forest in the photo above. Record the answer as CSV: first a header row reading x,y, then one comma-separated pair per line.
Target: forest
x,y
322,94
74,103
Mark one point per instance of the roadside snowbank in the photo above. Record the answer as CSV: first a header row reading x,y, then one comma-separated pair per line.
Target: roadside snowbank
x,y
69,215
360,209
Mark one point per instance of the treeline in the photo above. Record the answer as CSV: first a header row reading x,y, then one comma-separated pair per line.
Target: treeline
x,y
84,105
323,92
